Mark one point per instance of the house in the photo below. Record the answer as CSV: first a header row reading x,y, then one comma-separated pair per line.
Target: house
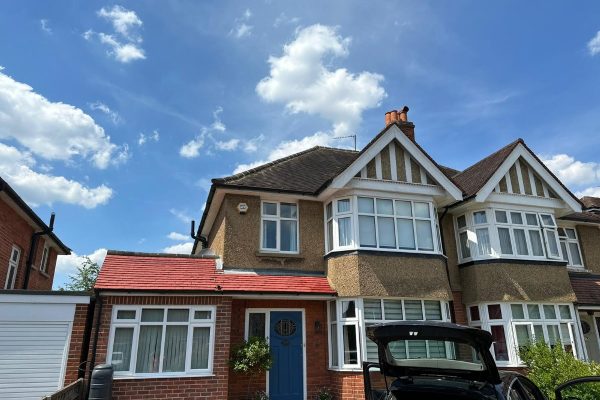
x,y
311,249
28,247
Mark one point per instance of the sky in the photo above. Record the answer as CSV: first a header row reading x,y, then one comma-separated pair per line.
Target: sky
x,y
117,115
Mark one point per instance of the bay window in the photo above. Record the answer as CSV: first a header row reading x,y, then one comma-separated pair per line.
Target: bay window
x,y
153,341
279,227
378,223
569,245
349,318
515,325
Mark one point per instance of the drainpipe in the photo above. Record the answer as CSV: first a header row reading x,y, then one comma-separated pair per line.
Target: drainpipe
x,y
87,333
202,239
33,249
95,344
441,219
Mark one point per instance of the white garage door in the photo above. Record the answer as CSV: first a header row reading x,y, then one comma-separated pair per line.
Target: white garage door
x,y
31,358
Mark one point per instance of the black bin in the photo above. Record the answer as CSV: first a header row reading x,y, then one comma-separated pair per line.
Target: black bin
x,y
101,383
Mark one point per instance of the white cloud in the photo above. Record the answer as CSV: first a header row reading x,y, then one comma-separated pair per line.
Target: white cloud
x,y
45,27
250,146
591,191
228,145
300,79
181,215
99,106
594,44
123,20
52,130
284,19
241,29
289,147
39,188
154,136
122,52
177,236
67,265
217,124
180,248
192,148
571,171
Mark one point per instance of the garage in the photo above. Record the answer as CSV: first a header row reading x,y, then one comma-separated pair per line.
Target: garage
x,y
35,332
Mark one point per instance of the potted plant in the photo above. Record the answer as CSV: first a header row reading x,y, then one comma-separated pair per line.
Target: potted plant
x,y
252,358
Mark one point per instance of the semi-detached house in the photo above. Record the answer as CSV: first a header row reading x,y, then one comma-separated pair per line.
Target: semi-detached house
x,y
311,249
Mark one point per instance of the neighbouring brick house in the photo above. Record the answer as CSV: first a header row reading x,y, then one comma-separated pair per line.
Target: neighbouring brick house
x,y
311,249
28,248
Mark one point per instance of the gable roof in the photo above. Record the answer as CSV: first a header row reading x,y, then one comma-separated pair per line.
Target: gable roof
x,y
590,202
184,273
10,192
306,172
584,216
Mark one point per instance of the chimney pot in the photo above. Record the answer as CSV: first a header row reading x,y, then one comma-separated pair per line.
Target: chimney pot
x,y
404,114
388,118
394,116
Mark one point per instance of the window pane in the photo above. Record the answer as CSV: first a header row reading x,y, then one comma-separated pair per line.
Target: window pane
x,y
330,235
437,349
387,236
403,208
552,246
516,218
565,312
200,347
175,346
126,314
345,231
256,325
15,255
372,354
289,210
505,243
417,349
350,344
563,247
328,212
538,332
332,311
537,249
424,235
549,312
372,309
521,242
366,231
531,219
365,205
575,255
547,220
334,345
474,311
523,335
202,314
501,217
348,309
461,222
406,233
517,311
393,310
121,350
413,309
385,206
422,210
148,352
500,347
495,311
289,238
178,315
464,245
269,208
534,311
269,240
484,246
553,334
433,310
479,217
152,315
343,205
565,337
571,233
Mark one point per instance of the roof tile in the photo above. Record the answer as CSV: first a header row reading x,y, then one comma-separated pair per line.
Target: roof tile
x,y
586,288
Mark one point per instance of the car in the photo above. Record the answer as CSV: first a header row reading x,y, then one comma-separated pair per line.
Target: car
x,y
421,360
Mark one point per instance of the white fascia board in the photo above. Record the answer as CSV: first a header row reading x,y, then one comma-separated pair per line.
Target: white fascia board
x,y
396,187
525,200
395,133
521,151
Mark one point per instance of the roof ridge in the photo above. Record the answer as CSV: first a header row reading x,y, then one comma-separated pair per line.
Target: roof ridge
x,y
513,143
165,255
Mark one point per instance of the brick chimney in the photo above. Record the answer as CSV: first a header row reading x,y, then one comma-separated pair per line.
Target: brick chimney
x,y
401,118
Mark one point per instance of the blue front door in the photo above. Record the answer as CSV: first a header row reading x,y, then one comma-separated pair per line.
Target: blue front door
x,y
286,377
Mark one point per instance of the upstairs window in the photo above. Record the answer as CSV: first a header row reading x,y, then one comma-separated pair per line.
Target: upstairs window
x,y
279,227
13,266
569,245
44,259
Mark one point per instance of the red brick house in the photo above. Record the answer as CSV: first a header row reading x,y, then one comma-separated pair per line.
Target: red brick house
x,y
28,247
311,249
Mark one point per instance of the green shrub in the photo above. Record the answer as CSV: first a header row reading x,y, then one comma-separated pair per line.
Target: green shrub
x,y
550,367
252,357
324,394
260,396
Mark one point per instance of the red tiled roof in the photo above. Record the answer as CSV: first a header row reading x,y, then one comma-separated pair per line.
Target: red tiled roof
x,y
586,288
161,272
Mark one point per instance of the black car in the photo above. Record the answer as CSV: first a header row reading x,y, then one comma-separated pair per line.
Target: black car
x,y
458,366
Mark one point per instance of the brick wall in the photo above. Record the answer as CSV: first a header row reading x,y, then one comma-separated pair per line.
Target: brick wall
x,y
211,387
75,346
459,309
14,230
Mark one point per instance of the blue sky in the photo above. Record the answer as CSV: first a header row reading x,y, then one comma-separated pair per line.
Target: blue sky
x,y
116,115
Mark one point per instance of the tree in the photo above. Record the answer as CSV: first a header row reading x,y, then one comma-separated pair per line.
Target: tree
x,y
85,277
252,358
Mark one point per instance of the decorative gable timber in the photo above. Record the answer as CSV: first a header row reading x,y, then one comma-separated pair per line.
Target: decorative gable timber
x,y
521,178
412,165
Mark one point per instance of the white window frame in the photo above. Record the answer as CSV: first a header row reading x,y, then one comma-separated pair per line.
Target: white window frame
x,y
136,324
14,266
45,258
567,241
509,323
277,219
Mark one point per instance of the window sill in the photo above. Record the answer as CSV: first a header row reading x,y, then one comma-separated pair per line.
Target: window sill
x,y
45,274
162,376
356,369
385,253
494,260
